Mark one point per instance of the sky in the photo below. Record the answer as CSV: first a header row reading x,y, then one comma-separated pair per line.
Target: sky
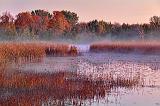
x,y
122,11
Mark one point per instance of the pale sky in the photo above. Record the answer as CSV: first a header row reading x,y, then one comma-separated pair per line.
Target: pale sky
x,y
128,11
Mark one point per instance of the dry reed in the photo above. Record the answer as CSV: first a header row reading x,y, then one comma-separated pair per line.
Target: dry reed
x,y
127,47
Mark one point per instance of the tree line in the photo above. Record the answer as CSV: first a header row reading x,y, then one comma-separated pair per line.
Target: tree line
x,y
42,24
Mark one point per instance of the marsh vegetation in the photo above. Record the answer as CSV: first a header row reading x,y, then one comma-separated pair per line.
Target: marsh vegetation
x,y
63,77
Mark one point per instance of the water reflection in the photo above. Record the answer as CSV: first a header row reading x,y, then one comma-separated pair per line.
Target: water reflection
x,y
60,88
81,81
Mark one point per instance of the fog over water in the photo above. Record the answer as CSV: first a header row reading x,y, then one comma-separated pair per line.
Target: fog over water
x,y
144,68
80,52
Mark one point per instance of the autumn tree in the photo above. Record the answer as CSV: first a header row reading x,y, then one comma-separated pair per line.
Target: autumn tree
x,y
7,24
101,27
24,20
23,23
37,26
58,23
44,24
41,19
81,27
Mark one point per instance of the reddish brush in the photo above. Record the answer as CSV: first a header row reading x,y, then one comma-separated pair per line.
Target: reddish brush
x,y
23,52
126,47
58,87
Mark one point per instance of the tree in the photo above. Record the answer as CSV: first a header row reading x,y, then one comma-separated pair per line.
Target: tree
x,y
6,18
7,24
116,28
93,26
24,24
102,27
24,20
155,22
37,26
71,17
99,27
58,23
41,18
146,28
125,27
41,13
81,27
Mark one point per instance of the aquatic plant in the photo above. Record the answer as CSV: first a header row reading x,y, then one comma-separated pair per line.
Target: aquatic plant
x,y
127,47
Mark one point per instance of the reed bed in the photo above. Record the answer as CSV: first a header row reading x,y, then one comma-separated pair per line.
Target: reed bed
x,y
127,47
59,86
16,51
22,52
60,50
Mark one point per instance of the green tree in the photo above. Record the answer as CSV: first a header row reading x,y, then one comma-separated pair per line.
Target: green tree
x,y
93,26
41,13
155,22
71,17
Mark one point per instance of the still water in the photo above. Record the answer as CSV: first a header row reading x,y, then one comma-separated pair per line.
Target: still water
x,y
116,79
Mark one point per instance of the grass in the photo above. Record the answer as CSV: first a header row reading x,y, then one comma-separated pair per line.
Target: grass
x,y
58,87
127,47
34,89
30,51
16,51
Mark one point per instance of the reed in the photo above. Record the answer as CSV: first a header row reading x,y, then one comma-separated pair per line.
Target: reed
x,y
29,51
15,51
59,86
127,47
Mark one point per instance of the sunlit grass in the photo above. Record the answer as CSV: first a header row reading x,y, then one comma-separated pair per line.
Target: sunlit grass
x,y
30,51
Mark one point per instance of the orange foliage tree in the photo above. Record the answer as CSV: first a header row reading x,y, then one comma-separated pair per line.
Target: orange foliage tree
x,y
58,23
7,23
24,21
41,19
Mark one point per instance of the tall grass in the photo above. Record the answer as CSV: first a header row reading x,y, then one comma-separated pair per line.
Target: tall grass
x,y
16,51
59,86
29,51
127,47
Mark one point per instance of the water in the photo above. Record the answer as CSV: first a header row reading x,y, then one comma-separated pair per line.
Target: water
x,y
137,76
83,48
